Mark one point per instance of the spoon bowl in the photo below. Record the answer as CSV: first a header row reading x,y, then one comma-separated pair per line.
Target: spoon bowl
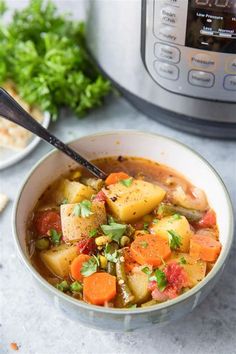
x,y
11,110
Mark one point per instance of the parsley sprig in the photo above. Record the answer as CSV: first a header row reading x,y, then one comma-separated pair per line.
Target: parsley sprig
x,y
55,237
127,182
160,277
83,209
174,239
90,267
114,230
45,54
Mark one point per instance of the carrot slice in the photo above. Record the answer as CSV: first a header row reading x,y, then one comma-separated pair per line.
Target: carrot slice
x,y
76,266
116,177
99,288
204,247
130,263
150,249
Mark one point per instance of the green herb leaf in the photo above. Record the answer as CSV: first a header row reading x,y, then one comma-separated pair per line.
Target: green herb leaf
x,y
76,210
176,217
160,279
110,256
64,201
155,221
83,209
90,266
145,226
3,7
93,233
46,55
86,208
143,244
114,230
127,182
146,270
63,286
76,286
174,239
55,237
182,260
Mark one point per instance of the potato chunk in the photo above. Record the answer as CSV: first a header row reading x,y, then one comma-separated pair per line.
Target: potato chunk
x,y
196,269
178,224
74,191
58,259
135,201
138,284
75,227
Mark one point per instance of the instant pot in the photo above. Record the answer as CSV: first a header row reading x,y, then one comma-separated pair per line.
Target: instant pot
x,y
176,57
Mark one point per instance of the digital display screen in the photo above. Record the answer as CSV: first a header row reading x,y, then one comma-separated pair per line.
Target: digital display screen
x,y
211,25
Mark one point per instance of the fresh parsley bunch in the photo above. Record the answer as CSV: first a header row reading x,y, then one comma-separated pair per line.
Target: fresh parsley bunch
x,y
45,55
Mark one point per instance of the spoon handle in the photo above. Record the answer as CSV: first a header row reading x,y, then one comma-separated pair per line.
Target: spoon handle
x,y
12,111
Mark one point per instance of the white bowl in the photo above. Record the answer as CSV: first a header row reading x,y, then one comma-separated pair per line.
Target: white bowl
x,y
132,143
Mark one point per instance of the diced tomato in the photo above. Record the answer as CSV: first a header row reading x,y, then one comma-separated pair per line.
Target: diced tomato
x,y
100,197
86,246
176,275
176,279
47,220
208,220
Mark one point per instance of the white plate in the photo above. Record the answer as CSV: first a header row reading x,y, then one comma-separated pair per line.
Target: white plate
x,y
9,157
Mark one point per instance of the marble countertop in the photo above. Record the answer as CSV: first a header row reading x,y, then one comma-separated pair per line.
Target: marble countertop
x,y
27,319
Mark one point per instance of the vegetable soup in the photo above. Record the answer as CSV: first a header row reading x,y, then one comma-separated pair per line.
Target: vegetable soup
x,y
143,236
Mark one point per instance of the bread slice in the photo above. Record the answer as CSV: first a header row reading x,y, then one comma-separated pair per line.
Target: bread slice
x,y
12,136
3,201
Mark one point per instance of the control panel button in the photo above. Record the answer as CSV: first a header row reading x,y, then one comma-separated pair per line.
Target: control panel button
x,y
167,71
232,66
202,60
167,53
201,78
230,82
167,33
169,15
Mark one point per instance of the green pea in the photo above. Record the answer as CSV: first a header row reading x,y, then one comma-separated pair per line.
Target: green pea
x,y
42,244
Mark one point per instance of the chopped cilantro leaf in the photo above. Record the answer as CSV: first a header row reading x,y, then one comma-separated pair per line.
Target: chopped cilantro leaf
x,y
111,257
145,226
55,237
174,239
176,217
83,209
64,201
93,233
114,230
155,221
143,244
146,270
90,267
160,279
182,260
127,182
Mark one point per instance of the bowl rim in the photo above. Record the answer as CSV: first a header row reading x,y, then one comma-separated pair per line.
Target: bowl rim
x,y
127,311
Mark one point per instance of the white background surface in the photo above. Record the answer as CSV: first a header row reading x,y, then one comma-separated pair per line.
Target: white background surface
x,y
27,318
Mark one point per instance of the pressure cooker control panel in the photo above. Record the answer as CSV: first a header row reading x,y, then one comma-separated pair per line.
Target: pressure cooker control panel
x,y
189,47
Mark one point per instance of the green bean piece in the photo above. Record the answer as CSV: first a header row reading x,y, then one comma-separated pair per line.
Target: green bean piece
x,y
111,268
169,209
42,244
127,296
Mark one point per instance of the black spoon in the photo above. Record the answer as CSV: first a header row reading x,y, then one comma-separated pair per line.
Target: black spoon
x,y
12,111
